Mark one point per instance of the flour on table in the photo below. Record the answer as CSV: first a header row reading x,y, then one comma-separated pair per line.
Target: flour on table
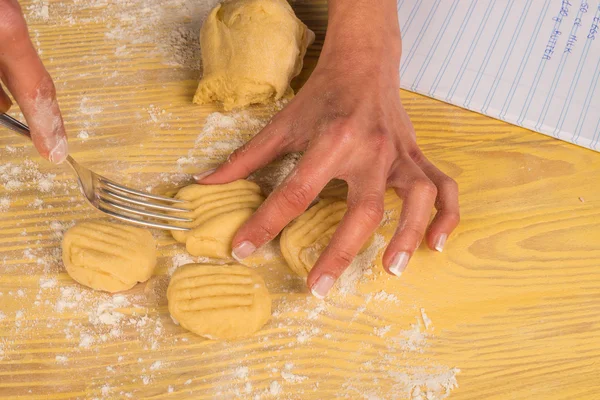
x,y
4,204
62,359
347,283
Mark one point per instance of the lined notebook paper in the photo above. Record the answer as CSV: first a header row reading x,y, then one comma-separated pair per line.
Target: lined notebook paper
x,y
532,63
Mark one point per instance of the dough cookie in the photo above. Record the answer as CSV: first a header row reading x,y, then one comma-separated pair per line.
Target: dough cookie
x,y
251,50
303,240
107,256
218,212
219,301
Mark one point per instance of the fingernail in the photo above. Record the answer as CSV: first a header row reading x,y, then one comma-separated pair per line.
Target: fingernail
x,y
399,263
243,250
440,242
60,152
322,286
204,174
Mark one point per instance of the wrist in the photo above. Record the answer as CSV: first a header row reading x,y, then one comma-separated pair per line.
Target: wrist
x,y
363,34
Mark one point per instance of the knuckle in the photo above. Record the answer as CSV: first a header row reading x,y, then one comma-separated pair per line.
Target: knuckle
x,y
372,210
416,155
343,129
449,185
341,257
46,88
264,231
414,231
297,197
453,217
426,186
380,141
237,158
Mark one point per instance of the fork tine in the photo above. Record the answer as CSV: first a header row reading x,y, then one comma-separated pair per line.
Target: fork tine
x,y
114,195
140,221
121,188
145,212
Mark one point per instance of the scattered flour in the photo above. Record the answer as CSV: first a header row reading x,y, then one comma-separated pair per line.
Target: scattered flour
x,y
26,175
83,135
274,388
156,365
62,359
347,283
291,378
86,340
4,204
47,283
241,372
106,313
181,259
426,320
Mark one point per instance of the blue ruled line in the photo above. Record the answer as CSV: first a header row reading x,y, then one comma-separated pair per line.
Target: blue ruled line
x,y
488,54
507,56
524,61
452,49
435,45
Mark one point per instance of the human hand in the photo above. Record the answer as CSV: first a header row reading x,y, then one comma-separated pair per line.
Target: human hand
x,y
24,75
350,123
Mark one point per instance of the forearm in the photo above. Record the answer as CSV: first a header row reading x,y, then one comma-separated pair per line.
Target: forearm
x,y
364,31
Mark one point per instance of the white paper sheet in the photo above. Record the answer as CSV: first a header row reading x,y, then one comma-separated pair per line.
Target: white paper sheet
x,y
533,63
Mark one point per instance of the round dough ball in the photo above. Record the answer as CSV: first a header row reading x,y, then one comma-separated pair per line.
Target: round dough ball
x,y
303,240
218,212
251,50
106,256
219,301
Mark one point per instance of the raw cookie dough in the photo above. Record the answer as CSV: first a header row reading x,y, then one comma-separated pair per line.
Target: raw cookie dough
x,y
107,256
251,50
303,240
219,301
218,212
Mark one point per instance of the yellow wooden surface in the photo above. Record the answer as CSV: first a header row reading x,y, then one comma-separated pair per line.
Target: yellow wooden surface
x,y
514,299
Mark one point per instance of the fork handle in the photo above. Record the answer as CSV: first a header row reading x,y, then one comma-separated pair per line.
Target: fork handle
x,y
15,125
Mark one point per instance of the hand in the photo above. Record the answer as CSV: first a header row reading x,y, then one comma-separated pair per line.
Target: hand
x,y
23,73
350,123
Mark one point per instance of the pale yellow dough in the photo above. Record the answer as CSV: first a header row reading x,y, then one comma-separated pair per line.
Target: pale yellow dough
x,y
218,212
107,256
219,301
251,50
305,238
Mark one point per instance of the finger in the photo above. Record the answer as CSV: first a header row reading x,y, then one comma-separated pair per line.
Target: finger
x,y
263,148
418,193
287,201
5,102
365,211
31,85
448,211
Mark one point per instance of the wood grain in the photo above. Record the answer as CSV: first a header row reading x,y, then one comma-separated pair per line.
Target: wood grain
x,y
514,299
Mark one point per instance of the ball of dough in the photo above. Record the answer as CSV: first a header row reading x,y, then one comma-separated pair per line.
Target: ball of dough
x,y
107,256
219,301
251,50
218,212
303,240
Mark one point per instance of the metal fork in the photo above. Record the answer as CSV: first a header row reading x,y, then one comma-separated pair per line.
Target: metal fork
x,y
116,200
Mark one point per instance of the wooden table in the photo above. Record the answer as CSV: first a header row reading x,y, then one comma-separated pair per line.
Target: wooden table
x,y
511,309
